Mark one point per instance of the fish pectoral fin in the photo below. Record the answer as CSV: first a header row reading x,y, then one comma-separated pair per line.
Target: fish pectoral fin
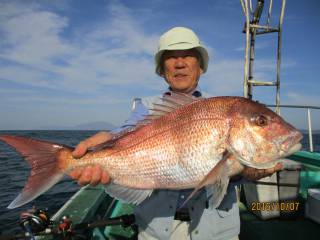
x,y
126,194
217,181
216,192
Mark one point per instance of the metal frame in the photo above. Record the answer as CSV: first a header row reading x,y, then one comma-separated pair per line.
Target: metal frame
x,y
252,29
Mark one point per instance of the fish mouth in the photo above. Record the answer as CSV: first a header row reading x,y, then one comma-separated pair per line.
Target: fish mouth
x,y
296,147
291,144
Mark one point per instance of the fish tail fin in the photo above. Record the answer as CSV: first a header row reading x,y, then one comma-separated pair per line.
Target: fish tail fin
x,y
48,162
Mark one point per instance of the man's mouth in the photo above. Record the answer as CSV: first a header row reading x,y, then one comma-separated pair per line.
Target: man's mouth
x,y
180,75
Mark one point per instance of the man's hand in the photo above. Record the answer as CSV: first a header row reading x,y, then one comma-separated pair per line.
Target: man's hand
x,y
90,174
255,174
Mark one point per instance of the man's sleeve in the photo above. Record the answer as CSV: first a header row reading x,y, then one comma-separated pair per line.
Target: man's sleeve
x,y
137,114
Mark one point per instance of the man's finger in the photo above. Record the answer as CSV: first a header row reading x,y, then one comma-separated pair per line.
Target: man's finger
x,y
105,177
85,176
278,167
80,149
96,175
274,169
92,141
79,152
75,174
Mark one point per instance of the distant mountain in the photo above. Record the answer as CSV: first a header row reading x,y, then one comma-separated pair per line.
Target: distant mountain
x,y
83,126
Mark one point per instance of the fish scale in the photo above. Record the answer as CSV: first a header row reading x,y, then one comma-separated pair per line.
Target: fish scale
x,y
170,166
187,143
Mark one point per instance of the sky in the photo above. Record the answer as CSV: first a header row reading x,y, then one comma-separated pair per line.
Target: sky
x,y
65,63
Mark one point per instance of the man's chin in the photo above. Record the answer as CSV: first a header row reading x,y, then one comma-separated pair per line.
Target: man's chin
x,y
184,88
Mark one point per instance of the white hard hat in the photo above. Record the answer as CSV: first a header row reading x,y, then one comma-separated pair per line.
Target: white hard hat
x,y
180,38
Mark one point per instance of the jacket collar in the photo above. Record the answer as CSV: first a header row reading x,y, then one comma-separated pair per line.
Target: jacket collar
x,y
195,93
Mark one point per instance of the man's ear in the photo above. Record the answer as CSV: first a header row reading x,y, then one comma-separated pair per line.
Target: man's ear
x,y
161,68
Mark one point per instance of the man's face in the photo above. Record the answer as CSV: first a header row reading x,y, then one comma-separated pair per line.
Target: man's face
x,y
181,69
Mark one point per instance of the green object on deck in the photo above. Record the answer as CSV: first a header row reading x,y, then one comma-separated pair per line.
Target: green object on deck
x,y
116,232
310,173
83,206
309,159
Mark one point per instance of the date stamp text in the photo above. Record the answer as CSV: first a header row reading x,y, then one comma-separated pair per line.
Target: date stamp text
x,y
274,206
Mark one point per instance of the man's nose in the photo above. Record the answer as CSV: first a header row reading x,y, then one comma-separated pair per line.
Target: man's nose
x,y
180,62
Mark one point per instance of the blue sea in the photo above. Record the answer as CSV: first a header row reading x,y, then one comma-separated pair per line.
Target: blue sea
x,y
14,172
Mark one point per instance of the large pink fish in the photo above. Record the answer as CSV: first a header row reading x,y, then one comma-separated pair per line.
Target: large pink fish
x,y
186,143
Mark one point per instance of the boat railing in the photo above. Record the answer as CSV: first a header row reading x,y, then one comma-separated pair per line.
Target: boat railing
x,y
308,108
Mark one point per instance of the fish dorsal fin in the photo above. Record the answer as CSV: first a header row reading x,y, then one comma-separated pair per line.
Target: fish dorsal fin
x,y
167,104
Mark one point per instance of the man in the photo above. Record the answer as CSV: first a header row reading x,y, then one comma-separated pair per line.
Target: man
x,y
180,60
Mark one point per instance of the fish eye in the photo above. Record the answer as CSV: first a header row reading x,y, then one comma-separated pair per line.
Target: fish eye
x,y
261,120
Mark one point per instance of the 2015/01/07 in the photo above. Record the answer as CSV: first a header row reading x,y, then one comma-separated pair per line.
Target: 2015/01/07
x,y
274,206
